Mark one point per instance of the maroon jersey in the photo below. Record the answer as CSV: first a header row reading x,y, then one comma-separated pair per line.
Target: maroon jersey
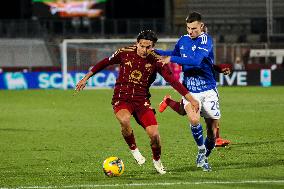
x,y
136,74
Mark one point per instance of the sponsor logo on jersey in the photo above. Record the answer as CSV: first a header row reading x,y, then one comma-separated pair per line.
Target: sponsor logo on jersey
x,y
202,49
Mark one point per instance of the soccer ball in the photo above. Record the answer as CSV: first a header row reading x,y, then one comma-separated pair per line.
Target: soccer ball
x,y
113,167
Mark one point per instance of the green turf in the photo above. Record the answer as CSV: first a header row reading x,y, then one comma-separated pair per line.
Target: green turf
x,y
49,138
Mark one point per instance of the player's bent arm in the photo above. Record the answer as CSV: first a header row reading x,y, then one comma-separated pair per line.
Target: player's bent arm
x,y
95,69
164,53
167,75
101,65
220,69
191,61
226,71
174,52
202,50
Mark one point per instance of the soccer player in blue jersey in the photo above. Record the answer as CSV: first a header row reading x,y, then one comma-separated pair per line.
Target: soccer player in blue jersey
x,y
194,52
178,107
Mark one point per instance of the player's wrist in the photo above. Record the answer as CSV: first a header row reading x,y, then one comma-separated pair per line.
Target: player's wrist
x,y
189,97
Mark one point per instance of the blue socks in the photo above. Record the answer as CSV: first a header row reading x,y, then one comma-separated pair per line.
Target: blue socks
x,y
197,133
209,144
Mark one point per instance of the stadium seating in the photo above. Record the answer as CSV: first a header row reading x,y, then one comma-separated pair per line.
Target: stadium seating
x,y
24,53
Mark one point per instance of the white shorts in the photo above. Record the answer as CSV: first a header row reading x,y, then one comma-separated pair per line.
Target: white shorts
x,y
208,103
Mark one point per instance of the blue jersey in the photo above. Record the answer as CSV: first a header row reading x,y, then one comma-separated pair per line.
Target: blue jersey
x,y
196,58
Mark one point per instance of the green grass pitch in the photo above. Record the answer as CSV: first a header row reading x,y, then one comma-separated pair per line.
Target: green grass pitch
x,y
52,139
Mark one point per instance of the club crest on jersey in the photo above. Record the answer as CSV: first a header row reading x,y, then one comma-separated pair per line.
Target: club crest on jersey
x,y
135,76
193,47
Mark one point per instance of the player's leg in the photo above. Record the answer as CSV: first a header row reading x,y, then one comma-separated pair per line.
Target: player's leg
x,y
210,141
164,104
155,143
218,131
220,142
211,126
176,106
123,115
196,130
148,120
211,113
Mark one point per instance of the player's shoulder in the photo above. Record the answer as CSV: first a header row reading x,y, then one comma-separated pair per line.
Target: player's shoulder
x,y
131,48
153,58
154,55
205,38
121,52
184,37
205,34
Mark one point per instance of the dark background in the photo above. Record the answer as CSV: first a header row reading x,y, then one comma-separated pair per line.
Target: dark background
x,y
22,9
135,9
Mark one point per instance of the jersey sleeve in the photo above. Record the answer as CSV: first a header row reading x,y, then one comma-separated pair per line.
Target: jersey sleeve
x,y
174,52
164,52
202,50
165,71
113,59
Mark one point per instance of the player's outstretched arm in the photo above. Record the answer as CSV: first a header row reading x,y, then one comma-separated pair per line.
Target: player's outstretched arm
x,y
163,52
98,67
82,83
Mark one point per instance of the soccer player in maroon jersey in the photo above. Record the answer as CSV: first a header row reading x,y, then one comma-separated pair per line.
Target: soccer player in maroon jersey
x,y
138,68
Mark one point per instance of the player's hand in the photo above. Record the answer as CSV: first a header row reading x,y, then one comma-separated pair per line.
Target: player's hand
x,y
195,104
226,71
164,59
81,85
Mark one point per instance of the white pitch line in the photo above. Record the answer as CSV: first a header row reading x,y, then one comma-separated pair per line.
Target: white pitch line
x,y
148,184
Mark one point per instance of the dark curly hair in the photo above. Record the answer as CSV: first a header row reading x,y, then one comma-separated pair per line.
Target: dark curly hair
x,y
148,35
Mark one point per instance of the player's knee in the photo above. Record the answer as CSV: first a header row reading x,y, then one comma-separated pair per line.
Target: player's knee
x,y
155,140
154,136
124,120
193,117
